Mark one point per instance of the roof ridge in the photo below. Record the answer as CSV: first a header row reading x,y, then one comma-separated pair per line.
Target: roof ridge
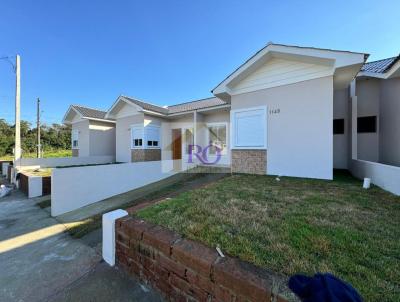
x,y
139,100
211,97
78,105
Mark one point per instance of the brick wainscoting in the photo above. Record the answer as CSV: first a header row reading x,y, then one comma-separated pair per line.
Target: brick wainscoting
x,y
75,152
185,270
249,161
145,155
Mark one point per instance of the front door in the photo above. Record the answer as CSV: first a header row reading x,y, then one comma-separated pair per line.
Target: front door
x,y
176,144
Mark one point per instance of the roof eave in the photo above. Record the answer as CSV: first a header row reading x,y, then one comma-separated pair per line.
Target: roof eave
x,y
99,119
345,58
67,122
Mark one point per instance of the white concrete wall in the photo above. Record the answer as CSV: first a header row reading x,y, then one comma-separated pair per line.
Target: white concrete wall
x,y
368,95
340,141
389,130
123,136
35,184
108,226
101,138
62,161
83,137
384,176
73,188
299,137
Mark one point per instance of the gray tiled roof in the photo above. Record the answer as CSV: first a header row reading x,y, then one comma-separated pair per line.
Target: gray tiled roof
x,y
183,107
194,105
380,66
90,112
147,106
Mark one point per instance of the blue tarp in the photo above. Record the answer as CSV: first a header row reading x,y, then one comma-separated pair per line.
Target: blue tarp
x,y
323,287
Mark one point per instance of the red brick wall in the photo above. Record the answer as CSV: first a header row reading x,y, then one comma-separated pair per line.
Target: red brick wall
x,y
184,270
24,183
46,185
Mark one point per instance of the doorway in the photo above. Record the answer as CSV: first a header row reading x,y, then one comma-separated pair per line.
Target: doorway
x,y
176,144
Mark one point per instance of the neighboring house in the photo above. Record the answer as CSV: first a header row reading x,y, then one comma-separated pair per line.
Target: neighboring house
x,y
287,110
147,132
92,134
377,89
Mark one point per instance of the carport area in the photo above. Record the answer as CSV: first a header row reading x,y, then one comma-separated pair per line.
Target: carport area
x,y
39,261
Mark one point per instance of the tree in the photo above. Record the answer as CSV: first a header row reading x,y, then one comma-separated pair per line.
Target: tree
x,y
54,137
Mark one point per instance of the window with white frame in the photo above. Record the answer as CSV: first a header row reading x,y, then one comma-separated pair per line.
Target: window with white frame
x,y
217,138
75,139
152,134
249,127
136,137
189,139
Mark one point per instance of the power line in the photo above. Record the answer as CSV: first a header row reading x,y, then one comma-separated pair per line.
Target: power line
x,y
8,59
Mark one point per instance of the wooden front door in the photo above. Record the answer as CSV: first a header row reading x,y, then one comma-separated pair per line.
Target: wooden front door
x,y
176,144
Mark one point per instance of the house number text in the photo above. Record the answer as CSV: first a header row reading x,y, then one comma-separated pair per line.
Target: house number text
x,y
275,111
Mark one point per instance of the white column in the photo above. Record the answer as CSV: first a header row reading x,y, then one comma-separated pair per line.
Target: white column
x,y
109,234
354,115
195,127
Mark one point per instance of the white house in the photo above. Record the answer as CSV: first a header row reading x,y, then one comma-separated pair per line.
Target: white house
x,y
92,134
288,110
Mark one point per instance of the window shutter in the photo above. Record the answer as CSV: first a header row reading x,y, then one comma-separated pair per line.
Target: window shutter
x,y
250,128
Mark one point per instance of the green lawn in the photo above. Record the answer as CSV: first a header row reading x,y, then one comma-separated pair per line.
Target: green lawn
x,y
50,153
296,226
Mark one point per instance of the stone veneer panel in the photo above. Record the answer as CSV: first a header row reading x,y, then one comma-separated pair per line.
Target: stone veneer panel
x,y
138,155
249,161
75,152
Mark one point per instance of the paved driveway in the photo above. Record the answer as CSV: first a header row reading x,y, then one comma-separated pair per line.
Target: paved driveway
x,y
39,261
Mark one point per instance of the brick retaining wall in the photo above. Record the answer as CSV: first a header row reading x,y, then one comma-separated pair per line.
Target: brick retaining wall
x,y
185,270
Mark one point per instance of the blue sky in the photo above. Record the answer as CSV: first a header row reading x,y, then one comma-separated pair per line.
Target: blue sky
x,y
165,52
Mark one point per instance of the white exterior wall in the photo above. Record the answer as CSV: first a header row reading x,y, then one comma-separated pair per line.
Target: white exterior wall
x,y
101,138
124,121
278,72
340,141
299,138
384,176
82,127
73,188
35,186
389,130
368,95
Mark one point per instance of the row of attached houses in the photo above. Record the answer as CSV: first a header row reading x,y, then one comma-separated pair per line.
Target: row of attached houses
x,y
288,110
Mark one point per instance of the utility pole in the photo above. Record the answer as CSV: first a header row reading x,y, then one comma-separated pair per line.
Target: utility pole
x,y
38,129
17,148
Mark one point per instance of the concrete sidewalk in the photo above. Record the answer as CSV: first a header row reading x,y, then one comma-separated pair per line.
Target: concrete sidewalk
x,y
39,261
